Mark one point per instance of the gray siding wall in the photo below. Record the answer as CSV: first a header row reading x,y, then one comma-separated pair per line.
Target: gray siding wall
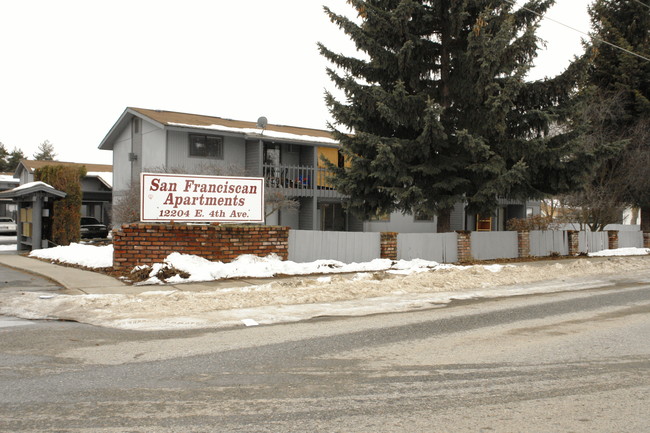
x,y
401,223
290,218
307,156
154,152
458,217
253,158
26,177
354,224
92,184
545,243
439,247
290,155
121,164
311,245
233,162
494,245
306,213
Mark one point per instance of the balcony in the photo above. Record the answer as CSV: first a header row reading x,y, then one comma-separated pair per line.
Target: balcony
x,y
298,181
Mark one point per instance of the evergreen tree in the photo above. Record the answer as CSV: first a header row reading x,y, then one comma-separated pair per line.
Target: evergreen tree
x,y
45,152
440,111
14,159
4,153
620,75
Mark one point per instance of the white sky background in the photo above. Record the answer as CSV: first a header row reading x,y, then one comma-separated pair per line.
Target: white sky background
x,y
71,67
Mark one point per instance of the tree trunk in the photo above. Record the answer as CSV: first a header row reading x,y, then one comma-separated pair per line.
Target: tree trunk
x,y
645,219
444,221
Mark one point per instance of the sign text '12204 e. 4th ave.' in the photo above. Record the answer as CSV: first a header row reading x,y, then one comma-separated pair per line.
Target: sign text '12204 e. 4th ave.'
x,y
184,197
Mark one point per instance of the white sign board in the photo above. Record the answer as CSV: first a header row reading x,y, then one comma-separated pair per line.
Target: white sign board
x,y
185,197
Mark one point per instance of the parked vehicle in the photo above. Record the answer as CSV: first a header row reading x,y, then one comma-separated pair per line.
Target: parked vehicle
x,y
92,228
7,226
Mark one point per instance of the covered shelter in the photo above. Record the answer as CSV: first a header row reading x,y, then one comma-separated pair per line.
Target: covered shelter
x,y
34,202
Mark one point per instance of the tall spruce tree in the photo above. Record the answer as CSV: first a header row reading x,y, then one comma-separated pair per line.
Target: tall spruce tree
x,y
4,154
619,73
440,111
45,152
15,156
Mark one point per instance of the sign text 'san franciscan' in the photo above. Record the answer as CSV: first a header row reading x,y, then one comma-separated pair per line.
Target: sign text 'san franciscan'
x,y
166,197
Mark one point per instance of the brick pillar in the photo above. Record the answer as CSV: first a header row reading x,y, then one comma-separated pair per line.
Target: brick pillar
x,y
523,243
388,245
646,240
574,244
464,246
612,239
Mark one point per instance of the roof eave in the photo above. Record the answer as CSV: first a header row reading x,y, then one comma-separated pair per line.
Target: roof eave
x,y
249,135
13,193
108,142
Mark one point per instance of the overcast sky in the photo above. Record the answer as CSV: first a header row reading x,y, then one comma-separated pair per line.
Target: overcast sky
x,y
71,67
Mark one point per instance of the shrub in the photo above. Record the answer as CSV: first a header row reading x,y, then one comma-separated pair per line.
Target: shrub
x,y
66,212
535,222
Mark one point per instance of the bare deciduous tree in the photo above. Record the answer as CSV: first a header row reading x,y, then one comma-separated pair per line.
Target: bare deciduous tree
x,y
622,178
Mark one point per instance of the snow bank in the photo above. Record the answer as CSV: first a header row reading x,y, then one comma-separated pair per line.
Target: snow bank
x,y
89,256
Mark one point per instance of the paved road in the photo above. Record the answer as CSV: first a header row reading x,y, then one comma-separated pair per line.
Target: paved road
x,y
577,361
12,280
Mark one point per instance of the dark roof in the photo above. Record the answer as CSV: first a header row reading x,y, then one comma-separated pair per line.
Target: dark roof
x,y
173,119
32,165
170,118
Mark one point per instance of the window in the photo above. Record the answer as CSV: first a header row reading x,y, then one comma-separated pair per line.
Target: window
x,y
207,146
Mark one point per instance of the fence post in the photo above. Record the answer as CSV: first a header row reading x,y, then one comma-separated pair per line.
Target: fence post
x,y
388,245
464,246
612,239
646,240
523,244
574,242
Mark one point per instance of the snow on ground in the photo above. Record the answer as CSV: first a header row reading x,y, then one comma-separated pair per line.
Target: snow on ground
x,y
78,254
357,289
621,252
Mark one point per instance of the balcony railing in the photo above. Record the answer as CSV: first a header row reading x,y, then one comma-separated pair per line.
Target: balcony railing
x,y
299,180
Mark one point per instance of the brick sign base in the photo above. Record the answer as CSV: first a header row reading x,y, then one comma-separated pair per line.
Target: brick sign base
x,y
145,244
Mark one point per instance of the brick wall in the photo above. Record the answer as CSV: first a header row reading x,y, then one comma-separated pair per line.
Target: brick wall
x,y
523,244
388,245
574,242
612,239
144,244
464,246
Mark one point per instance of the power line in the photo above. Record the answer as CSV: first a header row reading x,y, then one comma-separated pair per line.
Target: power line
x,y
512,2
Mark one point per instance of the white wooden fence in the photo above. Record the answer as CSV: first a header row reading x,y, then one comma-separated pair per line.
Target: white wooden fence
x,y
548,242
348,247
438,247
